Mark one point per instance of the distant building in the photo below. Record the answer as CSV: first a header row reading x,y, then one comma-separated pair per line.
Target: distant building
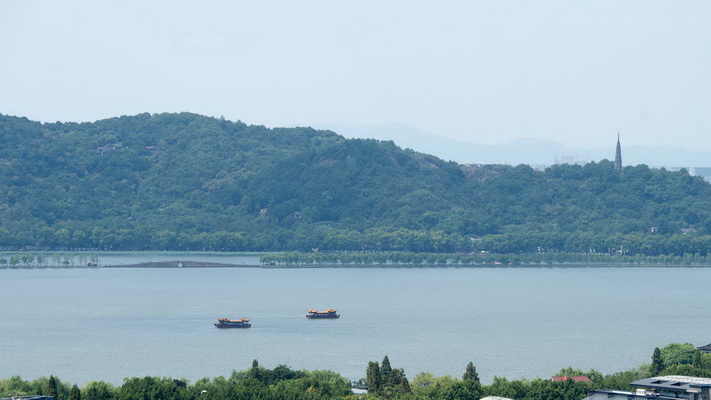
x,y
618,155
660,388
538,167
686,231
572,160
576,379
704,172
109,147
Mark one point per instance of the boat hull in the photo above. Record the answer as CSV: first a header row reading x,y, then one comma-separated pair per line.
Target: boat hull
x,y
334,316
230,326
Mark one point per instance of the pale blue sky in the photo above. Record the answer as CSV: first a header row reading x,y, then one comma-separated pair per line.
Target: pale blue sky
x,y
482,71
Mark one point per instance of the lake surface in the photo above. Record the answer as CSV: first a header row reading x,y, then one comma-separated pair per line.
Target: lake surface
x,y
107,324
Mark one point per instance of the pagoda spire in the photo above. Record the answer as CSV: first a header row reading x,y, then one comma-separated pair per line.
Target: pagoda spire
x,y
618,154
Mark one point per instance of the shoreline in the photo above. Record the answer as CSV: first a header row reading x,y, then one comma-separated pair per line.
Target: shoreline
x,y
196,264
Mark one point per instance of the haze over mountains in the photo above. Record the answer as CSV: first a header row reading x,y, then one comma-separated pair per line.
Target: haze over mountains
x,y
521,151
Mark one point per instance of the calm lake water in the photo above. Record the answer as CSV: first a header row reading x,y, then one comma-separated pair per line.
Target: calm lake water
x,y
107,324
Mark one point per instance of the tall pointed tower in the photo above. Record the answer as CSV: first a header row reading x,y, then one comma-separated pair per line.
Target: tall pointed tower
x,y
618,154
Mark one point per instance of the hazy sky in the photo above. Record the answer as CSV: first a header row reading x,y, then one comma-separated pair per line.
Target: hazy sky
x,y
482,71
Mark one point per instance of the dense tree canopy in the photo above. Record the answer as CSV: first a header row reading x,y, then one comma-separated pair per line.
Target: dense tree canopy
x,y
383,383
189,182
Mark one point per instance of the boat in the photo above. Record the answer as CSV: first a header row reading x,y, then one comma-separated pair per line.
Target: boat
x,y
233,323
330,313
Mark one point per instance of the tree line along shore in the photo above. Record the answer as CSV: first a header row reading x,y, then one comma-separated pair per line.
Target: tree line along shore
x,y
381,381
368,259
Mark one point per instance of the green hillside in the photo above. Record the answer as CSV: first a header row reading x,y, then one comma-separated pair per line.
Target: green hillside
x,y
189,182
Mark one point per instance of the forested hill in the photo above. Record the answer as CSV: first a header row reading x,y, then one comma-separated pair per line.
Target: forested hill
x,y
185,181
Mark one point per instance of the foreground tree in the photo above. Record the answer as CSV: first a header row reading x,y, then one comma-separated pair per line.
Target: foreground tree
x,y
657,364
697,363
51,387
677,353
372,377
386,372
98,390
386,381
151,388
465,390
470,373
74,393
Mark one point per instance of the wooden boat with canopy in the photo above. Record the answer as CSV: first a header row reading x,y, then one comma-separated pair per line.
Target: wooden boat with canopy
x,y
233,323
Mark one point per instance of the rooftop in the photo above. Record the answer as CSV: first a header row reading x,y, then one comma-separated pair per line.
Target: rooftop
x,y
30,397
658,388
672,382
706,348
619,394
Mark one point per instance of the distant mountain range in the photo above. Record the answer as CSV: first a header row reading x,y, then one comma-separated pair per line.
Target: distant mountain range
x,y
521,151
